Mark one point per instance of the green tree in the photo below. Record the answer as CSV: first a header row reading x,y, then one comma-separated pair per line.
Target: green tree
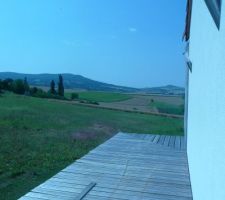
x,y
52,87
1,86
7,84
60,86
18,86
26,86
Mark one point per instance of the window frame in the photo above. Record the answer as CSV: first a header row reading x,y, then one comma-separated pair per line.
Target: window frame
x,y
214,7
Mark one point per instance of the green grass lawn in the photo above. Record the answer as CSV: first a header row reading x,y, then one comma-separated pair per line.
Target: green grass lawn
x,y
103,96
163,107
39,137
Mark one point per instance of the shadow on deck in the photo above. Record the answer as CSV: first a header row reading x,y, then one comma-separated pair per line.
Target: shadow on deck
x,y
126,167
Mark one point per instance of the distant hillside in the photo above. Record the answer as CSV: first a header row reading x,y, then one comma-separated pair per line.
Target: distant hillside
x,y
169,89
72,81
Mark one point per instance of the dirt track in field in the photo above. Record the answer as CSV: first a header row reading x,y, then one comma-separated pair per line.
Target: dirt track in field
x,y
142,103
137,104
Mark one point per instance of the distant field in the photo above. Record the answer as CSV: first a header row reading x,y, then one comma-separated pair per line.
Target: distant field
x,y
173,105
172,100
39,137
149,103
103,96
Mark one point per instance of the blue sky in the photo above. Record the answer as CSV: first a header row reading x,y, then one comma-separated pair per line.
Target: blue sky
x,y
127,42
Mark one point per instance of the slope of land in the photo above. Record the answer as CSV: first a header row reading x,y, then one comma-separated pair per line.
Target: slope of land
x,y
169,89
39,137
71,81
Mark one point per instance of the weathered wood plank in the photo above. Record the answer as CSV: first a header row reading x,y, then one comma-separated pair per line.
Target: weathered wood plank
x,y
178,142
172,141
161,140
166,141
156,139
126,167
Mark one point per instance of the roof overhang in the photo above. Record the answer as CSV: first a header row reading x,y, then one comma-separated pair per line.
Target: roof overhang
x,y
186,34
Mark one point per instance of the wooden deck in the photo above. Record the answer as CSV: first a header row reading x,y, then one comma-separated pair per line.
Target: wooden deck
x,y
126,167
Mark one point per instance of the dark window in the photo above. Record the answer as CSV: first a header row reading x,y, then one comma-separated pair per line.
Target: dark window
x,y
214,7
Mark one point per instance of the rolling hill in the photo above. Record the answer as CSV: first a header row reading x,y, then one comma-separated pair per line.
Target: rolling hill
x,y
72,81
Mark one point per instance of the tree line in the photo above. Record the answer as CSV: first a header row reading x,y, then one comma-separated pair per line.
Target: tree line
x,y
22,87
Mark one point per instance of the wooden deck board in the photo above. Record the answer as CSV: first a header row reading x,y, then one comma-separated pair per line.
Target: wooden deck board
x,y
126,167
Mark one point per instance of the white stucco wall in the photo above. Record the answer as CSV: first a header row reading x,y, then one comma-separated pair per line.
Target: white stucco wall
x,y
206,113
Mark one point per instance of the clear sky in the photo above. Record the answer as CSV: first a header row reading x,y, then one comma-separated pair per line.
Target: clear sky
x,y
127,42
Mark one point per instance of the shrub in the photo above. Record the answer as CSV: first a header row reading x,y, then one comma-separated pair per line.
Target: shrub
x,y
93,102
39,93
74,96
89,102
33,91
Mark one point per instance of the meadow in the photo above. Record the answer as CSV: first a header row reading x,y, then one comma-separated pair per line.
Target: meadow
x,y
39,137
104,96
173,105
